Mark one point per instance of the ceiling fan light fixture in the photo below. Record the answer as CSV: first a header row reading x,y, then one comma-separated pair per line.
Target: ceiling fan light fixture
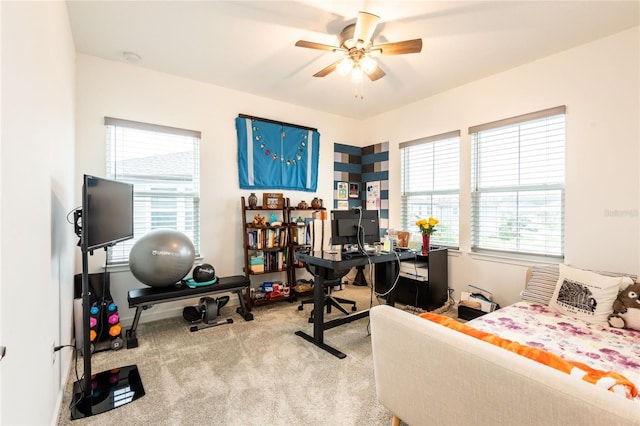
x,y
356,74
368,64
345,66
355,42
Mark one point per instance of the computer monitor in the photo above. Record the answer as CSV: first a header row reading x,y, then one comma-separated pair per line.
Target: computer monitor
x,y
354,226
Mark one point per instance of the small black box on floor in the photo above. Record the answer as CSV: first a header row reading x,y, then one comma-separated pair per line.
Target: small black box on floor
x,y
467,313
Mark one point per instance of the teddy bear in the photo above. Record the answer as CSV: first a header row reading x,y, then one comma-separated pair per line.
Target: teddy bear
x,y
626,308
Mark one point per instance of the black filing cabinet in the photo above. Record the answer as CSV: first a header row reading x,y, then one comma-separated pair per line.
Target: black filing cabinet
x,y
423,281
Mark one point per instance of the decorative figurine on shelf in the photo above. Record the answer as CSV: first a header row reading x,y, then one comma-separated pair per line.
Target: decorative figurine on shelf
x,y
303,205
259,220
274,220
316,203
253,200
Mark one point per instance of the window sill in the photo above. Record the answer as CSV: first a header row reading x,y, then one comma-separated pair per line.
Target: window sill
x,y
124,266
513,259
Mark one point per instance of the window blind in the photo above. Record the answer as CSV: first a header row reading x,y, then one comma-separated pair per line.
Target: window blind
x,y
430,185
163,164
517,190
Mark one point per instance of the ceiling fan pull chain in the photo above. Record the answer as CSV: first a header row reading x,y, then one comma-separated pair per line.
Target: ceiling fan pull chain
x,y
360,89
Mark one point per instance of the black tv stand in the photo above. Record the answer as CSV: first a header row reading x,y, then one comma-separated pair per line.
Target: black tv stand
x,y
96,394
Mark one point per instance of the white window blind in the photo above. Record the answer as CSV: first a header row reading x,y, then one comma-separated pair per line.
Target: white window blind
x,y
430,185
517,189
163,164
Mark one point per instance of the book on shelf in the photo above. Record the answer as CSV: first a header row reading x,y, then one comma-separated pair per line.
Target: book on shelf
x,y
256,269
258,239
302,234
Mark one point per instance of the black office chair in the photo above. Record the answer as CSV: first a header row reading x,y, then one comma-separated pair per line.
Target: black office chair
x,y
333,278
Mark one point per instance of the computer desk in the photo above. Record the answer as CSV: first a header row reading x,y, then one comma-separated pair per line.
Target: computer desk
x,y
322,261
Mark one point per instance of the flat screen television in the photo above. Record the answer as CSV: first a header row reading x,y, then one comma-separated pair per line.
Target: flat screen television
x,y
107,212
354,226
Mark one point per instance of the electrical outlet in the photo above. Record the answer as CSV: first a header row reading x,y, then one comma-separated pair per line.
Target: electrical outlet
x,y
53,352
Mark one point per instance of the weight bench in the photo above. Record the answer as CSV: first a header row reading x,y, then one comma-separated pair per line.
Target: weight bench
x,y
144,298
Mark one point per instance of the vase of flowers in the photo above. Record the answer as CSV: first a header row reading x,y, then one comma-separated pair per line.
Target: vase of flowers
x,y
427,227
426,243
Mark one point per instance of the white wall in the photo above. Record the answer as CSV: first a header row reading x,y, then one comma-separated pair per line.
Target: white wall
x,y
122,90
599,84
37,181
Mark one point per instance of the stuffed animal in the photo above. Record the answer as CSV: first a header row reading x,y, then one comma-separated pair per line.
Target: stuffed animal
x,y
259,220
626,308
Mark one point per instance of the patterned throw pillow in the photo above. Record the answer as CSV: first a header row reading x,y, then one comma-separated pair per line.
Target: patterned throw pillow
x,y
584,294
542,284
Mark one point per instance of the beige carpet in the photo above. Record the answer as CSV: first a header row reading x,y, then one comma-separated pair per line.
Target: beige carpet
x,y
246,373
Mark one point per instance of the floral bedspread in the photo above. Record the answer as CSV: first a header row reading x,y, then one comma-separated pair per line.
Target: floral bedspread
x,y
602,348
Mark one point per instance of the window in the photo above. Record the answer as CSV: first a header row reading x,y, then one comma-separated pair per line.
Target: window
x,y
430,185
517,189
163,164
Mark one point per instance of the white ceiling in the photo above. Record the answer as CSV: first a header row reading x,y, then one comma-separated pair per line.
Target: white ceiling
x,y
249,45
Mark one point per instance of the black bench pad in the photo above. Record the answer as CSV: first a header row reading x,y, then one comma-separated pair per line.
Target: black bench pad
x,y
152,295
144,298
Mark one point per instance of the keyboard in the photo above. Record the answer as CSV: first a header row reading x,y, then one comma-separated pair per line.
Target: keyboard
x,y
352,254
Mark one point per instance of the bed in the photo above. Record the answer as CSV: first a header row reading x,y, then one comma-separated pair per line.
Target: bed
x,y
540,361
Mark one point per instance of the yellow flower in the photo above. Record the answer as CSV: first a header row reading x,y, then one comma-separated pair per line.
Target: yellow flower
x,y
427,226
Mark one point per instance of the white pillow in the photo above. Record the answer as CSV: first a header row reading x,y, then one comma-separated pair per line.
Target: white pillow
x,y
584,294
626,282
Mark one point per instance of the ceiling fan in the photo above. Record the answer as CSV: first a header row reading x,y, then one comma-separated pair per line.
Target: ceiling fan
x,y
358,49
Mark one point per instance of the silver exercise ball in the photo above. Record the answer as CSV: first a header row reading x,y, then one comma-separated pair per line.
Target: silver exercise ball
x,y
162,257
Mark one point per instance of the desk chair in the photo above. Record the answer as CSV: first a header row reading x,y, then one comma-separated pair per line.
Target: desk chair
x,y
332,278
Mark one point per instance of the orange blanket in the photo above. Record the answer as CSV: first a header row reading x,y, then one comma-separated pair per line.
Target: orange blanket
x,y
610,380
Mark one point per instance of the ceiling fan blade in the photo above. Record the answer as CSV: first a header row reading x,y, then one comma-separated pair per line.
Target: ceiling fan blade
x,y
376,74
327,70
399,47
365,26
313,45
